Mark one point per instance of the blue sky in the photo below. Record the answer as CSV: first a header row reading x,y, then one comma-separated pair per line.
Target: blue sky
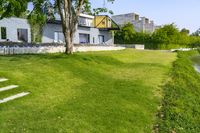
x,y
184,13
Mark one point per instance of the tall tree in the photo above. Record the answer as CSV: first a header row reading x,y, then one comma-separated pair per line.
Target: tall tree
x,y
126,34
69,11
185,31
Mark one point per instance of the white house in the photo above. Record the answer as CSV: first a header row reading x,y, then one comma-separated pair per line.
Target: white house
x,y
15,30
90,30
87,32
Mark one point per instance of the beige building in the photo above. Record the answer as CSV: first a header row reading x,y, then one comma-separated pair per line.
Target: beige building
x,y
140,23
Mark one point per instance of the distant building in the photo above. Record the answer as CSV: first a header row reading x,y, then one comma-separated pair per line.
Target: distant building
x,y
141,24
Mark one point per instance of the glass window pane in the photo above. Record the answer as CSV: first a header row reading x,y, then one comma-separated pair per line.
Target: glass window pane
x,y
58,37
3,33
84,38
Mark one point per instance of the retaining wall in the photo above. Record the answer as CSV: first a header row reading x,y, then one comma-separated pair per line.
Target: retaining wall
x,y
53,49
136,46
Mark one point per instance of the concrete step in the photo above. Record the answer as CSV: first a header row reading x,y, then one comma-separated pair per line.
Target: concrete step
x,y
14,97
8,87
3,79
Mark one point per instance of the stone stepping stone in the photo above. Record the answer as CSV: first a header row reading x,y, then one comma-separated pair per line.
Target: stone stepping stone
x,y
14,97
8,87
3,79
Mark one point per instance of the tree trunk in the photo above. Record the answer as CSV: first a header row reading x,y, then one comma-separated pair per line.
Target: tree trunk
x,y
69,18
69,44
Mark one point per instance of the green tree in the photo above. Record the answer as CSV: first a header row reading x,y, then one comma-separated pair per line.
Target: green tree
x,y
125,35
185,31
37,19
166,35
128,35
69,11
128,32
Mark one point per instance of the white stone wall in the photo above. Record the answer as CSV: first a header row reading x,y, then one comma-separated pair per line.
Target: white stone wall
x,y
97,48
53,49
135,46
139,47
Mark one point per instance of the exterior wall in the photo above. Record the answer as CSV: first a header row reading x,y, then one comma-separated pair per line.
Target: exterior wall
x,y
49,29
94,35
124,18
12,24
108,36
85,30
48,32
86,20
102,22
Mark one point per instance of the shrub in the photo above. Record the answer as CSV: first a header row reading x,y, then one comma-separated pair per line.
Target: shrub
x,y
167,37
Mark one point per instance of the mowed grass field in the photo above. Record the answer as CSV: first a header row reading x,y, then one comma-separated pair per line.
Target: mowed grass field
x,y
115,91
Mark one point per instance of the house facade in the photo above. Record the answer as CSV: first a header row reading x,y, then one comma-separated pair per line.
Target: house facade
x,y
141,24
15,30
90,30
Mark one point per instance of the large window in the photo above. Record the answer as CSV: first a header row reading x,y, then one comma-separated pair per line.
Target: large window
x,y
82,21
22,35
3,33
58,37
84,38
85,21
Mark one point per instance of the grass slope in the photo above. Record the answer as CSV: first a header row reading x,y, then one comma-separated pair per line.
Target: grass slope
x,y
116,91
181,105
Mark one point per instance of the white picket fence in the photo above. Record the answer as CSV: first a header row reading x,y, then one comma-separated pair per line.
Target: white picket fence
x,y
53,49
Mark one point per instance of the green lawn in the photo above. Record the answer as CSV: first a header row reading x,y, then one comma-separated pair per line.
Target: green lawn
x,y
116,91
